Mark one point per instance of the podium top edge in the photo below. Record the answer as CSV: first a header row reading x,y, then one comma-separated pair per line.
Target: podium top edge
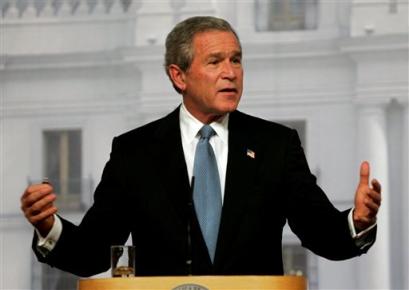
x,y
263,282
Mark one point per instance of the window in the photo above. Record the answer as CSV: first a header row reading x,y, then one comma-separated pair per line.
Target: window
x,y
44,276
298,261
53,278
393,6
286,15
62,165
294,260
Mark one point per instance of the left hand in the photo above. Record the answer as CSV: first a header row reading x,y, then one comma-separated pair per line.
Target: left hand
x,y
367,199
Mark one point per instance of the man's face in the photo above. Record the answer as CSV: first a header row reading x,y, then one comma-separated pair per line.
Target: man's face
x,y
214,80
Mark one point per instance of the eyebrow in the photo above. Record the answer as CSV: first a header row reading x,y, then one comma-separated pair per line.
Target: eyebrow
x,y
221,54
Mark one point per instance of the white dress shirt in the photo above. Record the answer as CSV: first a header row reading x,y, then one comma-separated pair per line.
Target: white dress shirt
x,y
189,129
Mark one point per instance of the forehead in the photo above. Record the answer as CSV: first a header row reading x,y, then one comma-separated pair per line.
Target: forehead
x,y
215,41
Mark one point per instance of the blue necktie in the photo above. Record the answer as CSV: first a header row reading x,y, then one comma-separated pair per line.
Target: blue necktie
x,y
206,192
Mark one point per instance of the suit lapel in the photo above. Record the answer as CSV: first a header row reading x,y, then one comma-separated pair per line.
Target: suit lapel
x,y
239,180
173,174
171,163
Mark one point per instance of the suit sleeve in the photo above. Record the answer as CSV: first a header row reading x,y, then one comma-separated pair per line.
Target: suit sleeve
x,y
320,226
84,250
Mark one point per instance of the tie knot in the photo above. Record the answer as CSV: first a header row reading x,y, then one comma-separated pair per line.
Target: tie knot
x,y
206,132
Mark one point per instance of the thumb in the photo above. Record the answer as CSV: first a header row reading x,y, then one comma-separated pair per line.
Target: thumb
x,y
364,173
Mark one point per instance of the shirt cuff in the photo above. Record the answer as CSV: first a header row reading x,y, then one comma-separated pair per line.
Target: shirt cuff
x,y
47,244
360,238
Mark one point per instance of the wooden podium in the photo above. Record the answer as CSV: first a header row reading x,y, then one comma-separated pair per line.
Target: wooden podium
x,y
196,283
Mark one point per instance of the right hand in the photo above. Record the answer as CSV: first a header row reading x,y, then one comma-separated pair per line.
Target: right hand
x,y
37,204
367,199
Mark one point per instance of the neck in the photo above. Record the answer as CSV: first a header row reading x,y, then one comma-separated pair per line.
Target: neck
x,y
205,118
210,119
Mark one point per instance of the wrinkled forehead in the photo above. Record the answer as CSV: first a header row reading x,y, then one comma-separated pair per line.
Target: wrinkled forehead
x,y
215,41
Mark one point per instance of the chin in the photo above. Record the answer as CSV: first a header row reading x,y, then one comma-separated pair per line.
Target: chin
x,y
226,105
228,108
232,105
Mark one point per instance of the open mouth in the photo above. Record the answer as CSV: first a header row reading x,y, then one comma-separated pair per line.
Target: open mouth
x,y
228,90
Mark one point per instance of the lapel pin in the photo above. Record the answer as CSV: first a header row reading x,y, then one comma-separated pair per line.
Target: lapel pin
x,y
251,153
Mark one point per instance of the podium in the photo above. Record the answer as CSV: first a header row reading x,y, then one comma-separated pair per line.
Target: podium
x,y
196,283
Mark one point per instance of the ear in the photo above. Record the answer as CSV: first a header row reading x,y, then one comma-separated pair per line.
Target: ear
x,y
177,76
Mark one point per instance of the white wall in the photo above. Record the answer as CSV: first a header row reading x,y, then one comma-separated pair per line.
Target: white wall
x,y
102,72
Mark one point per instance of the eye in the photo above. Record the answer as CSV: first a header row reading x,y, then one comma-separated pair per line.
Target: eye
x,y
213,61
236,60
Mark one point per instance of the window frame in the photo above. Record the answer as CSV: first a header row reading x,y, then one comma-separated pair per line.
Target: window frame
x,y
267,8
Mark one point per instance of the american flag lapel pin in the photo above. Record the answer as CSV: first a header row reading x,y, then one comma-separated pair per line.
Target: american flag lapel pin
x,y
251,153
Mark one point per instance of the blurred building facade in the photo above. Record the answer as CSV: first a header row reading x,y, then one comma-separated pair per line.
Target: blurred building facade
x,y
76,73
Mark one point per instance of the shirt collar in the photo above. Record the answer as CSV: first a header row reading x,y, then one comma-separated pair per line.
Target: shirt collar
x,y
190,126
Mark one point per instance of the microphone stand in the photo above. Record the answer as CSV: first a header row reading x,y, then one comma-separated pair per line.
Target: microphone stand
x,y
189,226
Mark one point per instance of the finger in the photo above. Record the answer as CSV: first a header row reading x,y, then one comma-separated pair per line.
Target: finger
x,y
364,173
33,197
376,185
35,188
372,207
43,215
41,205
375,197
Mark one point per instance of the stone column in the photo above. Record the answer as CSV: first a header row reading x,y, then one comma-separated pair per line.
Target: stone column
x,y
48,9
13,10
30,11
374,267
263,17
405,194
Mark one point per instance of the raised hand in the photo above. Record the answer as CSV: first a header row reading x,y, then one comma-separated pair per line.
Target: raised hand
x,y
37,204
367,199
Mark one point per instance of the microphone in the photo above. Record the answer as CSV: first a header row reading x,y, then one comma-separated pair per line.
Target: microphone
x,y
189,226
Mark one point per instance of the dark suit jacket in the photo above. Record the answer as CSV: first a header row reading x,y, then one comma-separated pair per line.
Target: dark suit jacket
x,y
145,191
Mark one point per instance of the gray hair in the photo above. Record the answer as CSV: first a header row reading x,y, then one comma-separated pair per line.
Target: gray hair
x,y
179,42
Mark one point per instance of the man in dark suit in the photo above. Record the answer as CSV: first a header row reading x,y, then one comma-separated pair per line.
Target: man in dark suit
x,y
263,181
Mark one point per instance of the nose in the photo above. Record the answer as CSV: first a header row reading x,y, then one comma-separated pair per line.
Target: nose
x,y
228,70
